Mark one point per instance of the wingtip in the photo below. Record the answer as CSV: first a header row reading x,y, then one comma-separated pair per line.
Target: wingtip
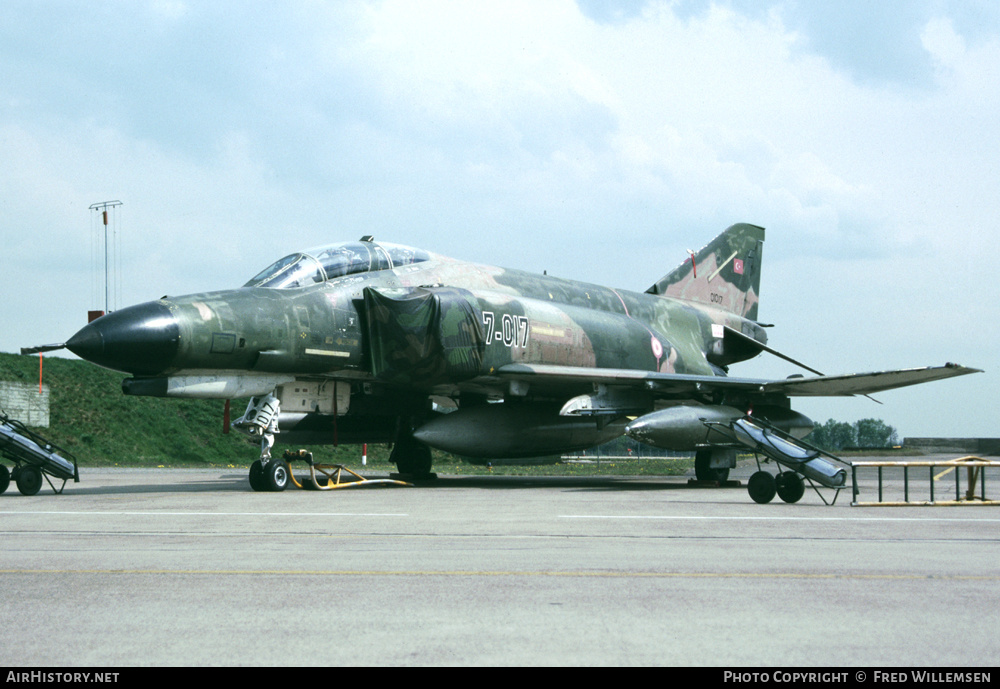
x,y
963,369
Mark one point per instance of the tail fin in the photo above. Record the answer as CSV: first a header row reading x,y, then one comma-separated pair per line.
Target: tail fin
x,y
724,274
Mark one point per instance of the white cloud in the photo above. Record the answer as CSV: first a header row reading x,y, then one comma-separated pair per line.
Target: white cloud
x,y
944,45
169,10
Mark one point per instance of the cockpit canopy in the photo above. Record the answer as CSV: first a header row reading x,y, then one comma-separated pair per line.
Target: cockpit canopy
x,y
334,261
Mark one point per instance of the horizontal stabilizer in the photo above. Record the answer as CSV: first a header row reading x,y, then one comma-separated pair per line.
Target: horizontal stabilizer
x,y
750,343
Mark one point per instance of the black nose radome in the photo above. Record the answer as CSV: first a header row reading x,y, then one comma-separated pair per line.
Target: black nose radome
x,y
141,340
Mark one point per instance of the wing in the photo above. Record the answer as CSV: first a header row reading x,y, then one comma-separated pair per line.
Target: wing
x,y
666,385
866,383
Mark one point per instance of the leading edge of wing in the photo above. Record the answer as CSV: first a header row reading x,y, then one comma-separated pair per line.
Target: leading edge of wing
x,y
678,383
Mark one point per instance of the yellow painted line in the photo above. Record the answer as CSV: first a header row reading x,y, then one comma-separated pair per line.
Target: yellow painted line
x,y
513,573
328,352
549,332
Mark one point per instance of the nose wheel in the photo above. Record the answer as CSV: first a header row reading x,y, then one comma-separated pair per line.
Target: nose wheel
x,y
270,477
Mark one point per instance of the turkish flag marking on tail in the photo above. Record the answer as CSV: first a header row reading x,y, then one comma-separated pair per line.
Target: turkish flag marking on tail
x,y
738,266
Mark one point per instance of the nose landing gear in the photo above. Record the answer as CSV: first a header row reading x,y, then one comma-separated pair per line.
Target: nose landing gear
x,y
260,420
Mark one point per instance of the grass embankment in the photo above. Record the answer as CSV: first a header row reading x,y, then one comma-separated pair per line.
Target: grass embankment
x,y
91,418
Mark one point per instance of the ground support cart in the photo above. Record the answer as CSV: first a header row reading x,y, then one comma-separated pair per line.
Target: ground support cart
x,y
800,461
34,457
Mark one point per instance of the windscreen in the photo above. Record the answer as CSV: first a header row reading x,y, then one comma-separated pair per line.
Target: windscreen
x,y
334,261
296,270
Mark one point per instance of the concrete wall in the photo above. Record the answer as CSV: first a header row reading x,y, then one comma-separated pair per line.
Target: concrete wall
x,y
22,401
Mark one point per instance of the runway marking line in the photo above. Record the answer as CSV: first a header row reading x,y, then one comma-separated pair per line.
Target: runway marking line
x,y
777,519
498,574
133,513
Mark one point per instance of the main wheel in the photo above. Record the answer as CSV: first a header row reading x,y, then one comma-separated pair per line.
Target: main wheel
x,y
411,457
276,475
4,479
29,480
790,486
703,470
761,487
257,476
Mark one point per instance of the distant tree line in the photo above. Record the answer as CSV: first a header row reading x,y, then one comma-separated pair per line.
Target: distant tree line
x,y
866,433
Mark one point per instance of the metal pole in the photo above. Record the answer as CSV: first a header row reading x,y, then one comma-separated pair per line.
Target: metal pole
x,y
103,207
106,309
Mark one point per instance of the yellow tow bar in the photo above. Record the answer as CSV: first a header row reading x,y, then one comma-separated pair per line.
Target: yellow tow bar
x,y
331,476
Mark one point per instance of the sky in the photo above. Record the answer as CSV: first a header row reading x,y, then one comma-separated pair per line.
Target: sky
x,y
595,140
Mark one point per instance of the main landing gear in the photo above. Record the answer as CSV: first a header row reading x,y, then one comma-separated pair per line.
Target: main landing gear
x,y
703,461
411,457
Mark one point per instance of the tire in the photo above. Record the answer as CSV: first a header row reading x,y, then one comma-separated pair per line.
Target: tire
x,y
790,486
29,480
703,470
412,457
4,479
276,475
257,476
761,487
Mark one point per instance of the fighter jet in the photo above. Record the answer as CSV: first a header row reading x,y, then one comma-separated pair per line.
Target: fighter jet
x,y
375,342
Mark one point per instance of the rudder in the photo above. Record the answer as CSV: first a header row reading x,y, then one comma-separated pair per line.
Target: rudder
x,y
724,274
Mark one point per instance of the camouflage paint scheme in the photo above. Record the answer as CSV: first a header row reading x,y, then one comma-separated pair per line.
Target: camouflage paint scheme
x,y
527,364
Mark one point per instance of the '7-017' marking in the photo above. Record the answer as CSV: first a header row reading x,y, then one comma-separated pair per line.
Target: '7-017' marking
x,y
512,330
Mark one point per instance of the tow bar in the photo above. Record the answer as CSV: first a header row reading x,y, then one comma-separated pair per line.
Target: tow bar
x,y
331,474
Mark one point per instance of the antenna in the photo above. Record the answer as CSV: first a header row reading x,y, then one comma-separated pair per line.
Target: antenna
x,y
103,207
